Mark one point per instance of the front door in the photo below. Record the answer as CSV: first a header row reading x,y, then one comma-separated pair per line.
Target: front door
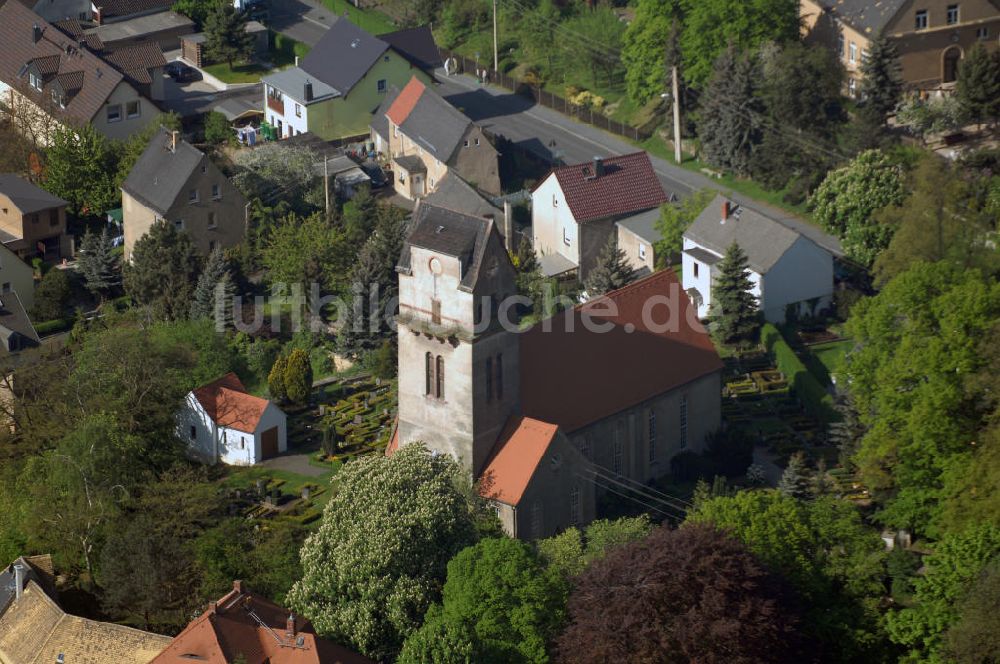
x,y
269,443
418,185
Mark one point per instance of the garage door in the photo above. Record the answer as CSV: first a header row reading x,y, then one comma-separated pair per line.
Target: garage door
x,y
269,443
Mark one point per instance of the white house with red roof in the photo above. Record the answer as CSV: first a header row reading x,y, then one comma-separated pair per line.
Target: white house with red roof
x,y
221,421
574,209
595,400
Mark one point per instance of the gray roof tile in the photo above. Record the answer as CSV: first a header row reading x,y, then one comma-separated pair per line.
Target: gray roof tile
x,y
26,196
867,16
343,55
451,233
159,174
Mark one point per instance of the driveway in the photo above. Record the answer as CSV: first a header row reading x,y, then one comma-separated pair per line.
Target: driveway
x,y
301,20
200,97
295,461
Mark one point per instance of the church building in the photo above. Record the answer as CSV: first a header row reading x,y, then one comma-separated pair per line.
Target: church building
x,y
548,418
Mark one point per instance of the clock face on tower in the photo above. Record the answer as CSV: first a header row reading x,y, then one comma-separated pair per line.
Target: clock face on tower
x,y
435,266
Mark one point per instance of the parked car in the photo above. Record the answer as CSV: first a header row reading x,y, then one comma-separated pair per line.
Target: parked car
x,y
375,172
181,72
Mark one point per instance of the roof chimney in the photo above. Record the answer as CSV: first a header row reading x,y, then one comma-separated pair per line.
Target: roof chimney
x,y
290,626
598,167
36,33
238,586
173,141
307,90
725,210
19,572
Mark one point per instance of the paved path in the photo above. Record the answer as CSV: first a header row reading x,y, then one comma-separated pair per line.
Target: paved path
x,y
302,20
296,461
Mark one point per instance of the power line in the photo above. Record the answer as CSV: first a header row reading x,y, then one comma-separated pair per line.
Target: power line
x,y
647,488
626,496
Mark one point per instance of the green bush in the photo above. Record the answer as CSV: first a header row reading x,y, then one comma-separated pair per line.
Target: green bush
x,y
53,326
217,129
814,398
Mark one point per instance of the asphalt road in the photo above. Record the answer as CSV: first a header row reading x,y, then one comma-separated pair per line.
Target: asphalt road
x,y
299,19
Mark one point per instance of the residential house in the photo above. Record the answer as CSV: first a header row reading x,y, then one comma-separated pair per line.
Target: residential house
x,y
574,209
16,331
48,78
787,269
35,630
58,10
339,84
243,623
16,276
32,221
175,181
113,11
544,420
221,421
426,138
637,237
931,36
165,28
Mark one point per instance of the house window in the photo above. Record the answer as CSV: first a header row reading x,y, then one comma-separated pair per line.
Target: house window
x,y
983,33
920,22
204,168
194,432
565,236
466,143
499,375
477,142
537,521
381,86
212,222
395,131
428,374
114,113
642,251
489,379
35,81
840,44
852,87
952,14
864,56
683,407
192,196
132,109
852,53
651,425
695,268
216,192
298,111
436,312
6,287
53,217
439,376
58,99
555,201
243,442
574,505
211,246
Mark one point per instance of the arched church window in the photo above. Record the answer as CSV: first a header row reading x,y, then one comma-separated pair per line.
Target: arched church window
x,y
429,373
440,377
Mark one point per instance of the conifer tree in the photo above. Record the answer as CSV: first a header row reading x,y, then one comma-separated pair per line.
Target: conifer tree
x,y
225,34
529,272
298,376
731,113
276,379
611,272
98,264
213,294
795,481
162,271
978,84
882,84
734,307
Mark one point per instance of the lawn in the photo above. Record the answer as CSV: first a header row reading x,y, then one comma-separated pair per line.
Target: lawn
x,y
826,360
372,21
283,52
245,73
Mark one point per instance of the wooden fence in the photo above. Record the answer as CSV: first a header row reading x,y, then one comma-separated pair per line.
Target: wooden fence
x,y
548,99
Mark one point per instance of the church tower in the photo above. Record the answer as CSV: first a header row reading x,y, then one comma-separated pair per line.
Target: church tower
x,y
458,367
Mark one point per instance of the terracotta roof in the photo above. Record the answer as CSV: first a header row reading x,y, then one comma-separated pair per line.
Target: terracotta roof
x,y
34,630
406,100
19,49
519,450
573,378
628,185
393,445
72,28
229,405
243,622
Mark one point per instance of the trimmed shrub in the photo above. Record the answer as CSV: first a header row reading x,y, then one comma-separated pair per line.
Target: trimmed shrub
x,y
814,398
53,326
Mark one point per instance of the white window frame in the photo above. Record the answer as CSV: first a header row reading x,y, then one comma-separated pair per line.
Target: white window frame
x,y
382,86
852,53
983,33
35,81
921,19
852,87
642,251
555,201
953,10
566,238
118,113
298,111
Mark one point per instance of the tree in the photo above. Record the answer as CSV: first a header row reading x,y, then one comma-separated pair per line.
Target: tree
x,y
497,592
974,638
882,80
273,173
602,32
611,272
217,129
196,10
213,294
734,307
674,220
796,481
538,30
653,31
731,119
569,552
978,84
306,251
162,271
52,297
371,591
916,346
951,569
529,277
226,37
80,167
692,594
98,263
276,379
712,26
359,216
848,198
298,377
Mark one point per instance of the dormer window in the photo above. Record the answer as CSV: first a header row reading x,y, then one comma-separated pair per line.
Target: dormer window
x,y
35,81
58,99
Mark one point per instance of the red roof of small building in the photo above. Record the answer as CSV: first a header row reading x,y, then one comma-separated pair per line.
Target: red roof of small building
x,y
573,376
628,185
406,101
516,455
242,622
229,404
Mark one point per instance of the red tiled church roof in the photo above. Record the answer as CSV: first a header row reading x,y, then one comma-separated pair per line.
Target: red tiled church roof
x,y
628,185
516,455
229,405
574,378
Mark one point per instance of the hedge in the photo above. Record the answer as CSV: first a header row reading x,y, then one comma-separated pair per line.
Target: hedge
x,y
53,326
814,398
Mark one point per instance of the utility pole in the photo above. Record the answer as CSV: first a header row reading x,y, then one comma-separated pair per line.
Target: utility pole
x,y
677,115
496,58
326,185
